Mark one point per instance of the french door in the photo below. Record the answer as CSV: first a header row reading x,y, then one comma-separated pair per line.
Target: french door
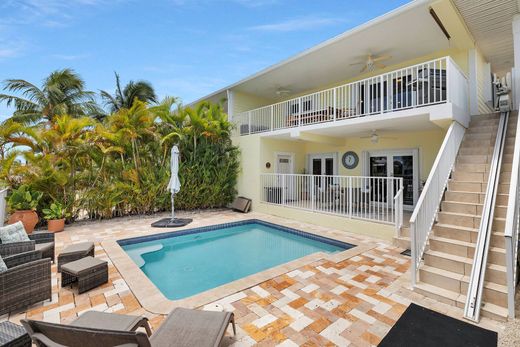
x,y
323,164
398,163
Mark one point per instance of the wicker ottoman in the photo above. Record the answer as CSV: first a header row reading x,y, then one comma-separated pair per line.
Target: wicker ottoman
x,y
89,272
75,252
13,335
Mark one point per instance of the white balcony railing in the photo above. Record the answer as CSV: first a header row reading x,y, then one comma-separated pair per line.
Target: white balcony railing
x,y
427,207
433,82
378,199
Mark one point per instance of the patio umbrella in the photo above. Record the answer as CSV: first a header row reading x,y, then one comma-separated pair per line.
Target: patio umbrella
x,y
174,186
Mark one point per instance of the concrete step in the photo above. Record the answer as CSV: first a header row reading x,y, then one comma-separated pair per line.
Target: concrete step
x,y
458,283
461,207
473,197
473,158
458,300
401,242
464,186
459,219
466,234
465,249
463,265
469,176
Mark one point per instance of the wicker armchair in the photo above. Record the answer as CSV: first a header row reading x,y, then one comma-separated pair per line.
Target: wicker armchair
x,y
41,241
26,281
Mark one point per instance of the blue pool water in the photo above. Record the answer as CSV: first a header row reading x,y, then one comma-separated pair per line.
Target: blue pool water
x,y
186,263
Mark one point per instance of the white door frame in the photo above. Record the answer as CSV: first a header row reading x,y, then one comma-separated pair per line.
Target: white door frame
x,y
277,155
333,155
391,152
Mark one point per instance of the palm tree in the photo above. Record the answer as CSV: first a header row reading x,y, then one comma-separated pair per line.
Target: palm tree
x,y
62,92
125,97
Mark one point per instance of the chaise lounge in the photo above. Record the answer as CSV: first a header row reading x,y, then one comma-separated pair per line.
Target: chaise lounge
x,y
182,328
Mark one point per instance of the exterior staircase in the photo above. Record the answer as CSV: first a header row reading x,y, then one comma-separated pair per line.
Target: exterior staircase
x,y
445,271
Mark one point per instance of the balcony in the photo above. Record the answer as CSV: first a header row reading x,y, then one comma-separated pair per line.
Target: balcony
x,y
426,84
375,199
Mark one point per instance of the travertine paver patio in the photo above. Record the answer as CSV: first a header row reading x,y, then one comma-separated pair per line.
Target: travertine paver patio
x,y
355,301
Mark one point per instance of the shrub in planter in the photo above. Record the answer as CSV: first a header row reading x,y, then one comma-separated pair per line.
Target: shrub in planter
x,y
55,216
24,202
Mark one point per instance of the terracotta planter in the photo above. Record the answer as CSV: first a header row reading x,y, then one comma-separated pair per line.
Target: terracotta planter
x,y
55,225
29,219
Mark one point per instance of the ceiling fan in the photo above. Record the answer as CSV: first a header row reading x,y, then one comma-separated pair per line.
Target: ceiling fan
x,y
374,137
372,62
282,92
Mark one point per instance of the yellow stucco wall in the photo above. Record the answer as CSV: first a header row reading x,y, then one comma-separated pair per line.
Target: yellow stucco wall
x,y
256,151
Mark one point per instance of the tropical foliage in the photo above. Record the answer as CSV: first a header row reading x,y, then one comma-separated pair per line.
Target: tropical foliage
x,y
119,165
124,97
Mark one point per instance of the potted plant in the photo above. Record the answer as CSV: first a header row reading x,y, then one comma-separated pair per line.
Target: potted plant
x,y
24,203
55,216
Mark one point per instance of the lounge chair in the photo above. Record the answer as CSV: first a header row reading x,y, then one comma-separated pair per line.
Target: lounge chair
x,y
40,241
26,281
182,328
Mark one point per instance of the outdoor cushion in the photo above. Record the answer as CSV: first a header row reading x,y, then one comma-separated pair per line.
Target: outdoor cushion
x,y
76,268
83,247
3,267
43,247
13,233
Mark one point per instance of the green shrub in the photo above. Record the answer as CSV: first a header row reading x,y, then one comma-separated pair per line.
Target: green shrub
x,y
23,198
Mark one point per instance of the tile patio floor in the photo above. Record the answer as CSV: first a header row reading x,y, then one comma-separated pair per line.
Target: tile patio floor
x,y
353,302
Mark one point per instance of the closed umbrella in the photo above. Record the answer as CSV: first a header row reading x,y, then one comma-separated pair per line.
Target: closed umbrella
x,y
174,186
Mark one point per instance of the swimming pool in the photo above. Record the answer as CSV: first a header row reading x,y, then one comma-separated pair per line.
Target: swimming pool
x,y
188,262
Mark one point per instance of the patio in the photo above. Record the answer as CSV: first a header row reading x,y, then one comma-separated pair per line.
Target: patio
x,y
354,301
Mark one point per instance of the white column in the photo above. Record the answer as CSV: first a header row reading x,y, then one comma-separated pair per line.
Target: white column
x,y
230,104
472,81
516,68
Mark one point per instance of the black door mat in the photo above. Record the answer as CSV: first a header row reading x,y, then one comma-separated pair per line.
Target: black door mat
x,y
419,326
172,223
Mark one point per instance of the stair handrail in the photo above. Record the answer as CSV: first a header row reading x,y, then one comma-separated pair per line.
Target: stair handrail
x,y
427,206
512,224
478,270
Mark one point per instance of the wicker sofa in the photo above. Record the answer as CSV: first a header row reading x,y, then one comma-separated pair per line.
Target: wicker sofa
x,y
26,281
41,241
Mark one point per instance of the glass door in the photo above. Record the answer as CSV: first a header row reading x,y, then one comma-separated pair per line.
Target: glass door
x,y
322,165
402,164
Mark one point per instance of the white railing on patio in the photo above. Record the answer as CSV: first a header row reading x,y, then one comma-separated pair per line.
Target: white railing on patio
x,y
428,204
512,226
432,82
378,199
3,196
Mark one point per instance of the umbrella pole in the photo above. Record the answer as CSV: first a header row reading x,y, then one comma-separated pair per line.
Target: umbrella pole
x,y
173,206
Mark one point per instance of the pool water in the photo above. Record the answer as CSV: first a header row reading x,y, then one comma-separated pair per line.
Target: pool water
x,y
186,263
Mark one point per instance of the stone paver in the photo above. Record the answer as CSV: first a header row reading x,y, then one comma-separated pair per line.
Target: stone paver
x,y
353,302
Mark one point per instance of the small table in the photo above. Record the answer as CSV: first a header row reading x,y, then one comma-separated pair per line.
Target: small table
x,y
89,272
13,335
75,252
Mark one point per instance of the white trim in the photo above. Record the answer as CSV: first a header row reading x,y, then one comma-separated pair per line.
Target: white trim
x,y
230,104
473,81
333,155
390,168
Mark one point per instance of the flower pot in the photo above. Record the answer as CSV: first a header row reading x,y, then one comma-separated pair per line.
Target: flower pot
x,y
29,219
55,225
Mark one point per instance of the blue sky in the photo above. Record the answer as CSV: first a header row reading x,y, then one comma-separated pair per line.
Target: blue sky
x,y
185,48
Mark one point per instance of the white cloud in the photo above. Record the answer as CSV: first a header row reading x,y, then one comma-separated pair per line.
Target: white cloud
x,y
69,56
298,24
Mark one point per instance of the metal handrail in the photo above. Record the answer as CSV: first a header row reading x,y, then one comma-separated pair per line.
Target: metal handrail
x,y
425,212
511,228
478,271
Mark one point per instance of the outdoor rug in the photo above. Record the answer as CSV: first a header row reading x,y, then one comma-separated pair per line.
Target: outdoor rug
x,y
419,326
